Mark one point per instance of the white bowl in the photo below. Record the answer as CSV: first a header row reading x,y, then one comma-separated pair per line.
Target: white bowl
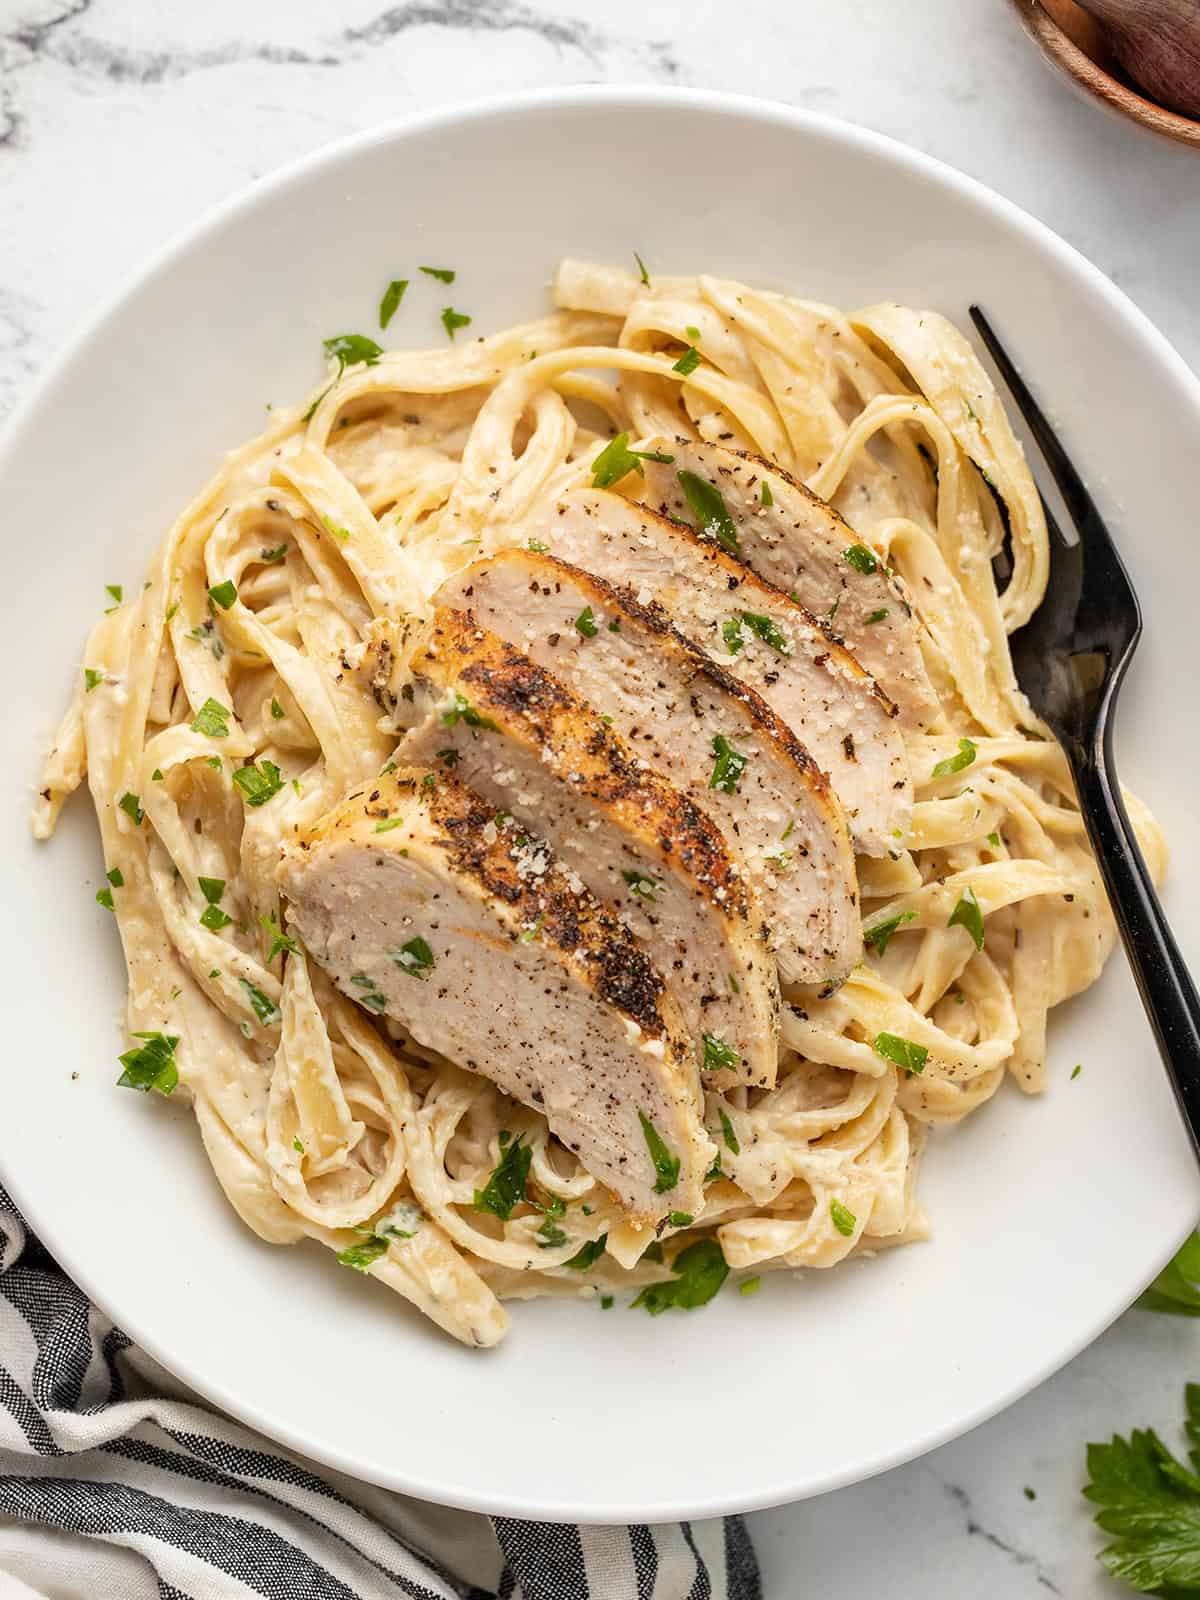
x,y
1049,1215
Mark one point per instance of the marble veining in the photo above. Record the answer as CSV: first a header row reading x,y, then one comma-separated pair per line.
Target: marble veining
x,y
121,119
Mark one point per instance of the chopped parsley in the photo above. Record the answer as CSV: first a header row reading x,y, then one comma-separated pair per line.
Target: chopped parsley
x,y
642,273
361,1255
681,1219
994,840
641,884
728,767
372,995
731,632
903,1052
214,919
550,1235
877,616
537,547
206,634
91,678
769,632
750,1286
844,1219
132,807
765,496
880,935
860,558
956,763
968,914
415,958
259,783
212,719
453,320
392,297
263,1006
617,461
298,1145
388,824
585,623
335,529
666,1166
731,1138
212,889
223,594
534,928
709,509
506,1186
700,1270
442,274
717,1054
607,1301
1076,1070
351,349
152,1065
688,361
104,898
276,710
461,710
279,940
272,558
115,592
116,877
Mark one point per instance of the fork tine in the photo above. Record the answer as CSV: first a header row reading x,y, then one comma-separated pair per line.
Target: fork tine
x,y
1078,501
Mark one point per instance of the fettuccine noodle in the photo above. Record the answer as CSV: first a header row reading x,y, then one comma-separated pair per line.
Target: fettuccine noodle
x,y
338,523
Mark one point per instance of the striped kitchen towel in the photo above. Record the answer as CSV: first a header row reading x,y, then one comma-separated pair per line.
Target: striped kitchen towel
x,y
117,1484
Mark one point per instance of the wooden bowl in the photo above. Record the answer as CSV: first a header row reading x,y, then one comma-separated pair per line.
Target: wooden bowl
x,y
1074,42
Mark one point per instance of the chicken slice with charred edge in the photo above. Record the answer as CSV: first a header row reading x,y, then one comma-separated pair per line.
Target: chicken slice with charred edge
x,y
709,734
763,637
800,544
516,735
423,910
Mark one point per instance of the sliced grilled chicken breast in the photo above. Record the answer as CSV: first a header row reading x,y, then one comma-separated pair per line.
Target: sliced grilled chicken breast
x,y
516,735
761,635
800,544
709,734
421,909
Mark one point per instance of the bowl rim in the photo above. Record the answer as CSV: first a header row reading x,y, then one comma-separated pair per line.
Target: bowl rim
x,y
291,1434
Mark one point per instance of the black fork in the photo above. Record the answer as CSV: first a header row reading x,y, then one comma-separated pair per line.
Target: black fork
x,y
1070,659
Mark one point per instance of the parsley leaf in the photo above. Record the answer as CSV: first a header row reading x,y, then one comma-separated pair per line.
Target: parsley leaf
x,y
116,877
214,919
956,763
718,1055
392,297
453,320
279,939
272,558
681,1219
152,1066
223,594
731,1138
115,592
641,884
765,496
104,898
666,1165
688,361
877,616
361,1255
263,1006
132,807
1150,1502
537,547
844,1220
879,936
728,767
415,958
903,1052
585,623
768,632
550,1235
506,1186
442,274
277,710
1177,1288
461,710
349,349
731,632
258,783
709,509
860,558
700,1270
587,1255
968,914
212,719
642,273
91,678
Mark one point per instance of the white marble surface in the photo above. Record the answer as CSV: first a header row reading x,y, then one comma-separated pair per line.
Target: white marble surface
x,y
121,119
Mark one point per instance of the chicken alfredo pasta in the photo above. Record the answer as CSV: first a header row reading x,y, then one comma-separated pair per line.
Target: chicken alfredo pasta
x,y
567,806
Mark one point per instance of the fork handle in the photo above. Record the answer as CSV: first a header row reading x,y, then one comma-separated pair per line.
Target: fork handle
x,y
1160,972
